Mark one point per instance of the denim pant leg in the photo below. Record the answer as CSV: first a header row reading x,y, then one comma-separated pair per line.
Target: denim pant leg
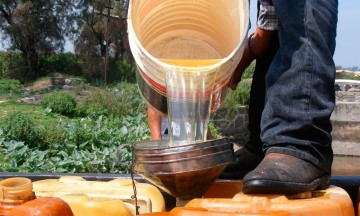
x,y
257,96
300,94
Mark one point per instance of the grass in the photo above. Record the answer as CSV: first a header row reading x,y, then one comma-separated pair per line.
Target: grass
x,y
35,111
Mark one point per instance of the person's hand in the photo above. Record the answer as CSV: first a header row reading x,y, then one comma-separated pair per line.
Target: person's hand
x,y
255,46
236,77
245,61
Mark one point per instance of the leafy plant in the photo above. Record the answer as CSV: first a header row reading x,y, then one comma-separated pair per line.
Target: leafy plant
x,y
10,86
214,130
121,100
92,144
62,103
249,71
12,66
241,95
21,127
122,70
66,63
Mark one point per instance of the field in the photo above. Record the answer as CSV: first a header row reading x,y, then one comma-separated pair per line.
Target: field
x,y
79,127
63,124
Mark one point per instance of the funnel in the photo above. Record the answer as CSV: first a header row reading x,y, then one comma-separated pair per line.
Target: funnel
x,y
185,171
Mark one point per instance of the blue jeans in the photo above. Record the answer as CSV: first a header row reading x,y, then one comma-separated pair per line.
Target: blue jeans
x,y
257,96
300,94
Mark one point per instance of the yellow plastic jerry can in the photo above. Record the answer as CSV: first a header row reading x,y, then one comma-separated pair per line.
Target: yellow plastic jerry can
x,y
82,205
149,198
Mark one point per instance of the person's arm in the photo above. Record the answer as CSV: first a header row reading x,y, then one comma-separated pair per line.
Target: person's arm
x,y
257,44
154,120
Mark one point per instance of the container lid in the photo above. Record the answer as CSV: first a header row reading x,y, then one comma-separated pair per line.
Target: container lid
x,y
16,189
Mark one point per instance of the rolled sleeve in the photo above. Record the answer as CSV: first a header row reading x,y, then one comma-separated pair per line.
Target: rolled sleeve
x,y
267,18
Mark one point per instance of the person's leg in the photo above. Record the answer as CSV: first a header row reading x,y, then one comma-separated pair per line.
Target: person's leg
x,y
257,97
154,120
300,98
251,154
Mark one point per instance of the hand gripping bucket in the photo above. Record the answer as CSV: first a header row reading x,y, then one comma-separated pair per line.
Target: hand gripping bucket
x,y
202,41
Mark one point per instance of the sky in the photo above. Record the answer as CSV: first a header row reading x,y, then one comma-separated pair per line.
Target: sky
x,y
347,51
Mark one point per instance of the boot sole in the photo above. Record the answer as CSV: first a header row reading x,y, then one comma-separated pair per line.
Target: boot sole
x,y
259,186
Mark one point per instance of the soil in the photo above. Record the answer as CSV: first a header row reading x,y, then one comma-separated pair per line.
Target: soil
x,y
39,85
37,90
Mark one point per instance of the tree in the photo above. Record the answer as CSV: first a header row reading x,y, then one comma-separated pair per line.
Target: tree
x,y
35,28
102,35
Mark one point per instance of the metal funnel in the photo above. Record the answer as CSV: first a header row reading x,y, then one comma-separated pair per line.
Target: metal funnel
x,y
184,171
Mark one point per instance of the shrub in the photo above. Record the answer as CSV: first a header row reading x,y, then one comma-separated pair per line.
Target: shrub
x,y
12,66
214,130
131,94
120,100
241,95
122,70
21,127
62,103
93,68
350,76
249,71
2,63
10,86
67,63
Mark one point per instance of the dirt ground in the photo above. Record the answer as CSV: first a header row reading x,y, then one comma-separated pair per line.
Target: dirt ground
x,y
37,90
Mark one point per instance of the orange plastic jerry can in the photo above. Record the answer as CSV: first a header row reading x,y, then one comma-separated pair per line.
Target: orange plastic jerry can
x,y
333,201
13,192
44,206
224,189
189,211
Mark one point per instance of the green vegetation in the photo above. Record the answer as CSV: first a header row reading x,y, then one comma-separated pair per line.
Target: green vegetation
x,y
84,145
120,99
33,139
62,103
241,95
77,131
35,112
21,126
9,88
67,63
348,75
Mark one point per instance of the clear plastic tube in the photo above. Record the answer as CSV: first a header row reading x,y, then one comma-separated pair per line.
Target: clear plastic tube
x,y
189,99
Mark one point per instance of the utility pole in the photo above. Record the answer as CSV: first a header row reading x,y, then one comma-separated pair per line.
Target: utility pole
x,y
109,16
107,40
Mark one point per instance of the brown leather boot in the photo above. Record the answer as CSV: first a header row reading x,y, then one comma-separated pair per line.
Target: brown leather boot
x,y
284,174
245,161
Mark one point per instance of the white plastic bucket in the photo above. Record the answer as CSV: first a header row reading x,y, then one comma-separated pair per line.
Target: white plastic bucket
x,y
193,38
